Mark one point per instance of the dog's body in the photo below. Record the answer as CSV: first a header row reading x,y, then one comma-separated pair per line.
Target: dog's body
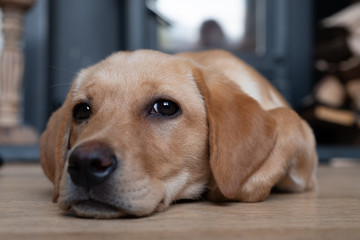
x,y
140,130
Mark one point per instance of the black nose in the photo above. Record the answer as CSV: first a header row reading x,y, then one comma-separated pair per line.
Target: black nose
x,y
91,163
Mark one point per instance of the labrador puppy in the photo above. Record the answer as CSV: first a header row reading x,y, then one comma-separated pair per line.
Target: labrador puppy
x,y
142,129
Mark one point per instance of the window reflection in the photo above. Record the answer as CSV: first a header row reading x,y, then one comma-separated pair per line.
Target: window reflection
x,y
196,24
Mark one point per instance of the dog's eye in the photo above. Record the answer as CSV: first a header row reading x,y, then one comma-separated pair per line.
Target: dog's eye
x,y
81,112
165,108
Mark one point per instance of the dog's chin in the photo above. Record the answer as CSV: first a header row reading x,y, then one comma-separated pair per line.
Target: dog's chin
x,y
95,209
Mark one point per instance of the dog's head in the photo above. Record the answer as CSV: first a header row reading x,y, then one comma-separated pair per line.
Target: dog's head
x,y
140,130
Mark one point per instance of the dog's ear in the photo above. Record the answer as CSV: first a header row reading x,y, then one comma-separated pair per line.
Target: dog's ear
x,y
54,144
241,134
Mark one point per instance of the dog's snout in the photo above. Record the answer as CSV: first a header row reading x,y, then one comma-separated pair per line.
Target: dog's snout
x,y
91,164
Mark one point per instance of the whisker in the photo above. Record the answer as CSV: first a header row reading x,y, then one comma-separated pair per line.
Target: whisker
x,y
60,85
62,69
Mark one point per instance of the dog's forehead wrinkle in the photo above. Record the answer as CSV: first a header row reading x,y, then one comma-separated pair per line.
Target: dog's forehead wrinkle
x,y
120,79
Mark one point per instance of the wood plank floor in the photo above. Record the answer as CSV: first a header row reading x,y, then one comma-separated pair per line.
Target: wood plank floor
x,y
26,212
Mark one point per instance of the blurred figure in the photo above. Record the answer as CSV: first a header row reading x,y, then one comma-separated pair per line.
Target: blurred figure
x,y
211,34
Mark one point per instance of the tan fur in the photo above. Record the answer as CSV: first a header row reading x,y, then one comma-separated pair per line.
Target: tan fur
x,y
236,137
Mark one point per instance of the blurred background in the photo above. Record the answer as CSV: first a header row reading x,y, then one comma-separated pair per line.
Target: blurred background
x,y
309,49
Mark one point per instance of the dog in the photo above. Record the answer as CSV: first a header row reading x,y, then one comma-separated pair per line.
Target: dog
x,y
142,129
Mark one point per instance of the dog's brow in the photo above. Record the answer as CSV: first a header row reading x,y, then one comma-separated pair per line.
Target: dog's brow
x,y
78,82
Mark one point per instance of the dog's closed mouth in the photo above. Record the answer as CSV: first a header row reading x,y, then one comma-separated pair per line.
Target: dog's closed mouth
x,y
95,209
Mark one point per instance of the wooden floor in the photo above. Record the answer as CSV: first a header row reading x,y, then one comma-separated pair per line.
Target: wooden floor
x,y
26,212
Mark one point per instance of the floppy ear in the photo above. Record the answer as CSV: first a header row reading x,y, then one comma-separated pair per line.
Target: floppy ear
x,y
54,144
241,135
